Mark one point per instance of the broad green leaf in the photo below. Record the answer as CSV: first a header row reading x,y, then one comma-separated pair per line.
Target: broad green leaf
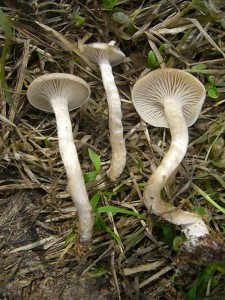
x,y
213,92
152,62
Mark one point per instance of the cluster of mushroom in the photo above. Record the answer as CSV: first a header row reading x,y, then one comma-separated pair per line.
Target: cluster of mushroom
x,y
165,98
61,93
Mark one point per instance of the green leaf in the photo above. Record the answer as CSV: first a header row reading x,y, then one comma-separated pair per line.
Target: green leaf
x,y
199,210
211,79
69,238
152,62
140,164
98,272
208,198
5,24
200,6
163,47
124,182
114,209
101,224
47,143
199,67
168,233
213,92
109,4
96,161
95,200
79,20
200,285
176,242
121,18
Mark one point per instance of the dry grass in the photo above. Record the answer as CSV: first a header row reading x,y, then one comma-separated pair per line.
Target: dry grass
x,y
37,214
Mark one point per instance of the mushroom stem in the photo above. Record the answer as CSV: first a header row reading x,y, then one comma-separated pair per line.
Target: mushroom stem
x,y
118,160
191,223
76,185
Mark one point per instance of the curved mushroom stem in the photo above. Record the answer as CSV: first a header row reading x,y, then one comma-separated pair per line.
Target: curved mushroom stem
x,y
76,185
191,223
118,160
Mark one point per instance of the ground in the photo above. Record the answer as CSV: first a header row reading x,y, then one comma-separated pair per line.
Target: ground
x,y
133,254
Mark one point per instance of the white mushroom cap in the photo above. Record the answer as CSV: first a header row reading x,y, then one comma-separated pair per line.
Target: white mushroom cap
x,y
46,88
99,51
150,92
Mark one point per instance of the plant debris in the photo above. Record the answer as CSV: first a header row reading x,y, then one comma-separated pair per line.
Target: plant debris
x,y
131,256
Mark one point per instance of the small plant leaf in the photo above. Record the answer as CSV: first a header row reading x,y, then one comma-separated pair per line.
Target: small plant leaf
x,y
79,20
152,62
213,92
109,4
211,80
168,233
5,24
95,200
47,143
121,18
114,209
96,161
101,224
69,238
199,67
176,242
124,182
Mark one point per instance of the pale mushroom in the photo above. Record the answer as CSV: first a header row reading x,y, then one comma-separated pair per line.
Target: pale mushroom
x,y
106,56
61,93
173,99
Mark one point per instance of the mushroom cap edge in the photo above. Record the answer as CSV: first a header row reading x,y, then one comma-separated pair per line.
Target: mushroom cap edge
x,y
49,86
158,84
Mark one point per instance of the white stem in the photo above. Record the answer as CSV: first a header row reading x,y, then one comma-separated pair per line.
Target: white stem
x,y
118,160
76,185
191,223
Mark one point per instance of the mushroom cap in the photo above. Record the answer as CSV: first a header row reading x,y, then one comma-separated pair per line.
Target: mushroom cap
x,y
48,87
95,52
150,92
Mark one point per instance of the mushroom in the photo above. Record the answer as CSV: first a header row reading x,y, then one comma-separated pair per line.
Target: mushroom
x,y
173,99
107,55
61,93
